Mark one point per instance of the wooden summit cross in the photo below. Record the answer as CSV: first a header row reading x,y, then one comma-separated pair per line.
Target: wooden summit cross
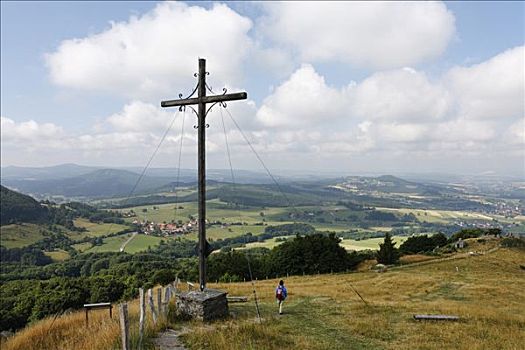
x,y
201,100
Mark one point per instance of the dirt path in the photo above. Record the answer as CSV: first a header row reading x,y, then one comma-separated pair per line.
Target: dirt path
x,y
123,246
169,340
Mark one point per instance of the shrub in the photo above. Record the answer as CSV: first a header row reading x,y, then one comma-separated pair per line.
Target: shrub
x,y
513,242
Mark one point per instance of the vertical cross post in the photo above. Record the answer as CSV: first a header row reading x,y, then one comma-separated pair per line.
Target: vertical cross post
x,y
201,102
202,172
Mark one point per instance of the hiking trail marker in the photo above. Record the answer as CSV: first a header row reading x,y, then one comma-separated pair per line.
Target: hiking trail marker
x,y
201,101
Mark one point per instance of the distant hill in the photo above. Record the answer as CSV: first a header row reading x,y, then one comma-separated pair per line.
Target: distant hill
x,y
63,171
76,181
95,184
45,173
157,187
16,207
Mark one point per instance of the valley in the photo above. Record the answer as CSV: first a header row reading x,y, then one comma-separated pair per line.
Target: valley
x,y
90,246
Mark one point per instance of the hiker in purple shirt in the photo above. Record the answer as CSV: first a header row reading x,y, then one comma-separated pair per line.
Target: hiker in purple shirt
x,y
280,294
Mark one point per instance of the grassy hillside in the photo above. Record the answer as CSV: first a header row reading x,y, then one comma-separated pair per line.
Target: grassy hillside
x,y
141,243
324,312
95,229
16,236
111,244
49,226
24,234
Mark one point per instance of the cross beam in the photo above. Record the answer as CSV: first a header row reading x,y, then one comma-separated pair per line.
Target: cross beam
x,y
201,100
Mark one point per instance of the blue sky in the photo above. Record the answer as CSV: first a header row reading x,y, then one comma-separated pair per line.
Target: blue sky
x,y
52,112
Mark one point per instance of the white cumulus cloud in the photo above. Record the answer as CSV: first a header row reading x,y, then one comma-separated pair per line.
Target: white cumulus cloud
x,y
402,111
494,89
304,98
140,116
156,52
29,131
402,94
372,34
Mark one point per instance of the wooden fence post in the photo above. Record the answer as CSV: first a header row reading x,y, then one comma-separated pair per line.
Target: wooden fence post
x,y
142,306
151,306
167,297
159,300
124,326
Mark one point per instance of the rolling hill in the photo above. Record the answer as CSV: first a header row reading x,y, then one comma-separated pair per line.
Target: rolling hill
x,y
96,184
45,173
252,189
17,207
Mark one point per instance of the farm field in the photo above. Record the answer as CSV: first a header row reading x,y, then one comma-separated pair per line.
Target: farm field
x,y
16,236
439,216
269,243
335,217
141,242
327,218
96,229
371,243
111,244
82,247
348,244
324,312
215,210
216,232
58,255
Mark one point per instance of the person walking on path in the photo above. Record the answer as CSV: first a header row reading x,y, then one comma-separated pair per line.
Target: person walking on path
x,y
280,294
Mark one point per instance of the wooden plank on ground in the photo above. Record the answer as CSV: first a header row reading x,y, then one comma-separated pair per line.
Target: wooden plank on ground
x,y
237,299
437,317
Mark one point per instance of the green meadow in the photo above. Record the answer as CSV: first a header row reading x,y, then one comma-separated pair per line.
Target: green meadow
x,y
16,236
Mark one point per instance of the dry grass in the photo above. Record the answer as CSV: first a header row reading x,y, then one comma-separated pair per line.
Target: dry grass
x,y
71,332
323,312
68,332
415,258
486,291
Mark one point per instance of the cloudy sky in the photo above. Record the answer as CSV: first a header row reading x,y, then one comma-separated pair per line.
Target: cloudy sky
x,y
343,86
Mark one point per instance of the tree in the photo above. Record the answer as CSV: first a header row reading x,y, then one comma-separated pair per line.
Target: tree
x,y
423,243
310,254
388,253
163,277
439,239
